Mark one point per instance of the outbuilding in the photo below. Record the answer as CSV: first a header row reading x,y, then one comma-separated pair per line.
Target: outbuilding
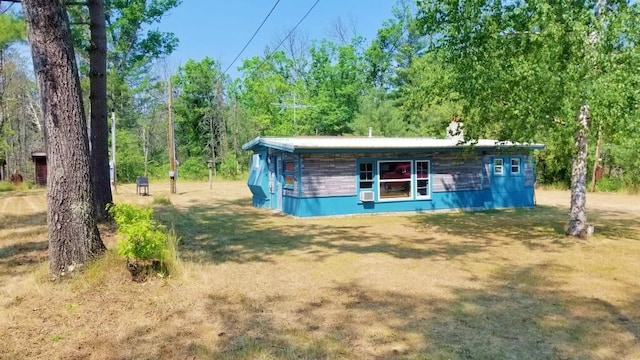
x,y
3,170
39,159
318,176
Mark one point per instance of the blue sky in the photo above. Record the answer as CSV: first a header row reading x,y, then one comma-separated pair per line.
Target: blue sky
x,y
219,29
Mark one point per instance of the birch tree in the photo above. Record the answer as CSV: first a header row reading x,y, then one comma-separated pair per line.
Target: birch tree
x,y
530,70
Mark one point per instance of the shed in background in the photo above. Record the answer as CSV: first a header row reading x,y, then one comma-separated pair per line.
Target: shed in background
x,y
39,159
3,170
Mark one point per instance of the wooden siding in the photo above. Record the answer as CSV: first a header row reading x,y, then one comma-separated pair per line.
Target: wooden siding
x,y
529,178
486,172
456,172
328,175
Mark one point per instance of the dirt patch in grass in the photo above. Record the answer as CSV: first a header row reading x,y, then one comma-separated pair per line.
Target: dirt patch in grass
x,y
488,285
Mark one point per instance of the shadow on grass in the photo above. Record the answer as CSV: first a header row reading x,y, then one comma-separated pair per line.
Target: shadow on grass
x,y
518,314
9,221
542,227
236,231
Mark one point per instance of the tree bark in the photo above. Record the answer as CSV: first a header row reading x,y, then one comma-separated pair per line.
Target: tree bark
x,y
98,98
578,213
73,236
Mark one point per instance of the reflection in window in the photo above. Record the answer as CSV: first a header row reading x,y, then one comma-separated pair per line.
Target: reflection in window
x,y
422,179
366,175
395,179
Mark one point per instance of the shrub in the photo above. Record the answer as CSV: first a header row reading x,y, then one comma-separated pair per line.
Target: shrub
x,y
139,237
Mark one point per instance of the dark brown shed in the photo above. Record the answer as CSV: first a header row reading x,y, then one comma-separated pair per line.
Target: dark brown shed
x,y
40,164
3,170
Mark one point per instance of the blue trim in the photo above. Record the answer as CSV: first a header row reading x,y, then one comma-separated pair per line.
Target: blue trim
x,y
346,205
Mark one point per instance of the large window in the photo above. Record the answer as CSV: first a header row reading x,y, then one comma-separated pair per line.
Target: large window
x,y
394,179
422,179
366,175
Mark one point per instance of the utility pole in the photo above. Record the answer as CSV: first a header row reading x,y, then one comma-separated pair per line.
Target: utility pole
x,y
171,143
597,160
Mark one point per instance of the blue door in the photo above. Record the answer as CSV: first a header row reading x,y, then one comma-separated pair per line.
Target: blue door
x,y
278,183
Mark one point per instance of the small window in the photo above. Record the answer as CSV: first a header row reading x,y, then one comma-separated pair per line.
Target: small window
x,y
422,179
366,175
289,180
515,166
255,161
498,166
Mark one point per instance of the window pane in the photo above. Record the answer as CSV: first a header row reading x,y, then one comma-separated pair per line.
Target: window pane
x,y
366,184
288,180
395,179
515,166
288,165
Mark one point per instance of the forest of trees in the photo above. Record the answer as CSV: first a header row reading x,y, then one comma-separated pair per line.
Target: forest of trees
x,y
566,74
529,75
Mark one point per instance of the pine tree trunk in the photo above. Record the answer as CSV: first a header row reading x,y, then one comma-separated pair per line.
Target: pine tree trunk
x,y
98,98
73,236
578,214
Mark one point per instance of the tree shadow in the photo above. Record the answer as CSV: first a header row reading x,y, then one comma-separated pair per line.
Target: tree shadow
x,y
542,227
10,221
520,313
235,231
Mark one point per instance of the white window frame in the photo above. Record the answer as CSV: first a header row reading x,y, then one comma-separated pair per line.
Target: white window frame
x,y
373,175
518,165
496,166
381,181
428,178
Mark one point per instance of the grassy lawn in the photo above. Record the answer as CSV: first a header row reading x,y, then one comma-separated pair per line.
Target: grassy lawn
x,y
486,285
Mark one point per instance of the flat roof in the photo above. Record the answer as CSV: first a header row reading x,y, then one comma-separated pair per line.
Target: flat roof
x,y
292,144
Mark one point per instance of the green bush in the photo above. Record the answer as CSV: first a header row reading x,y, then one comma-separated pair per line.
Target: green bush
x,y
5,186
193,169
609,184
139,237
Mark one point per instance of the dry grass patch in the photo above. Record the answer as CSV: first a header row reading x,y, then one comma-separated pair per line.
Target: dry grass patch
x,y
489,285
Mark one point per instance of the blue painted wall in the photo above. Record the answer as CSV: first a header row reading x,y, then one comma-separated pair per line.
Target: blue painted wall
x,y
344,205
506,190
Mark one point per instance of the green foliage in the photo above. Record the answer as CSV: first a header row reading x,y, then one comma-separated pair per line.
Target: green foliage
x,y
524,69
379,114
5,186
193,168
229,168
199,108
609,184
139,237
129,156
12,29
336,80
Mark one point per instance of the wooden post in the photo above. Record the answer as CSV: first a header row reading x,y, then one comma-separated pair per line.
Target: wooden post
x,y
172,146
113,149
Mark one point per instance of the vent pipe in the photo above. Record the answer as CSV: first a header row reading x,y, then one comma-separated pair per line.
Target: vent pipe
x,y
370,131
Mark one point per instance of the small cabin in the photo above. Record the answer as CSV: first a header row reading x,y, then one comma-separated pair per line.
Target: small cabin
x,y
39,159
318,176
4,176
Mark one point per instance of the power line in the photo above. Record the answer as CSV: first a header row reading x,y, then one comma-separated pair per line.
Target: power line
x,y
285,38
252,36
294,28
